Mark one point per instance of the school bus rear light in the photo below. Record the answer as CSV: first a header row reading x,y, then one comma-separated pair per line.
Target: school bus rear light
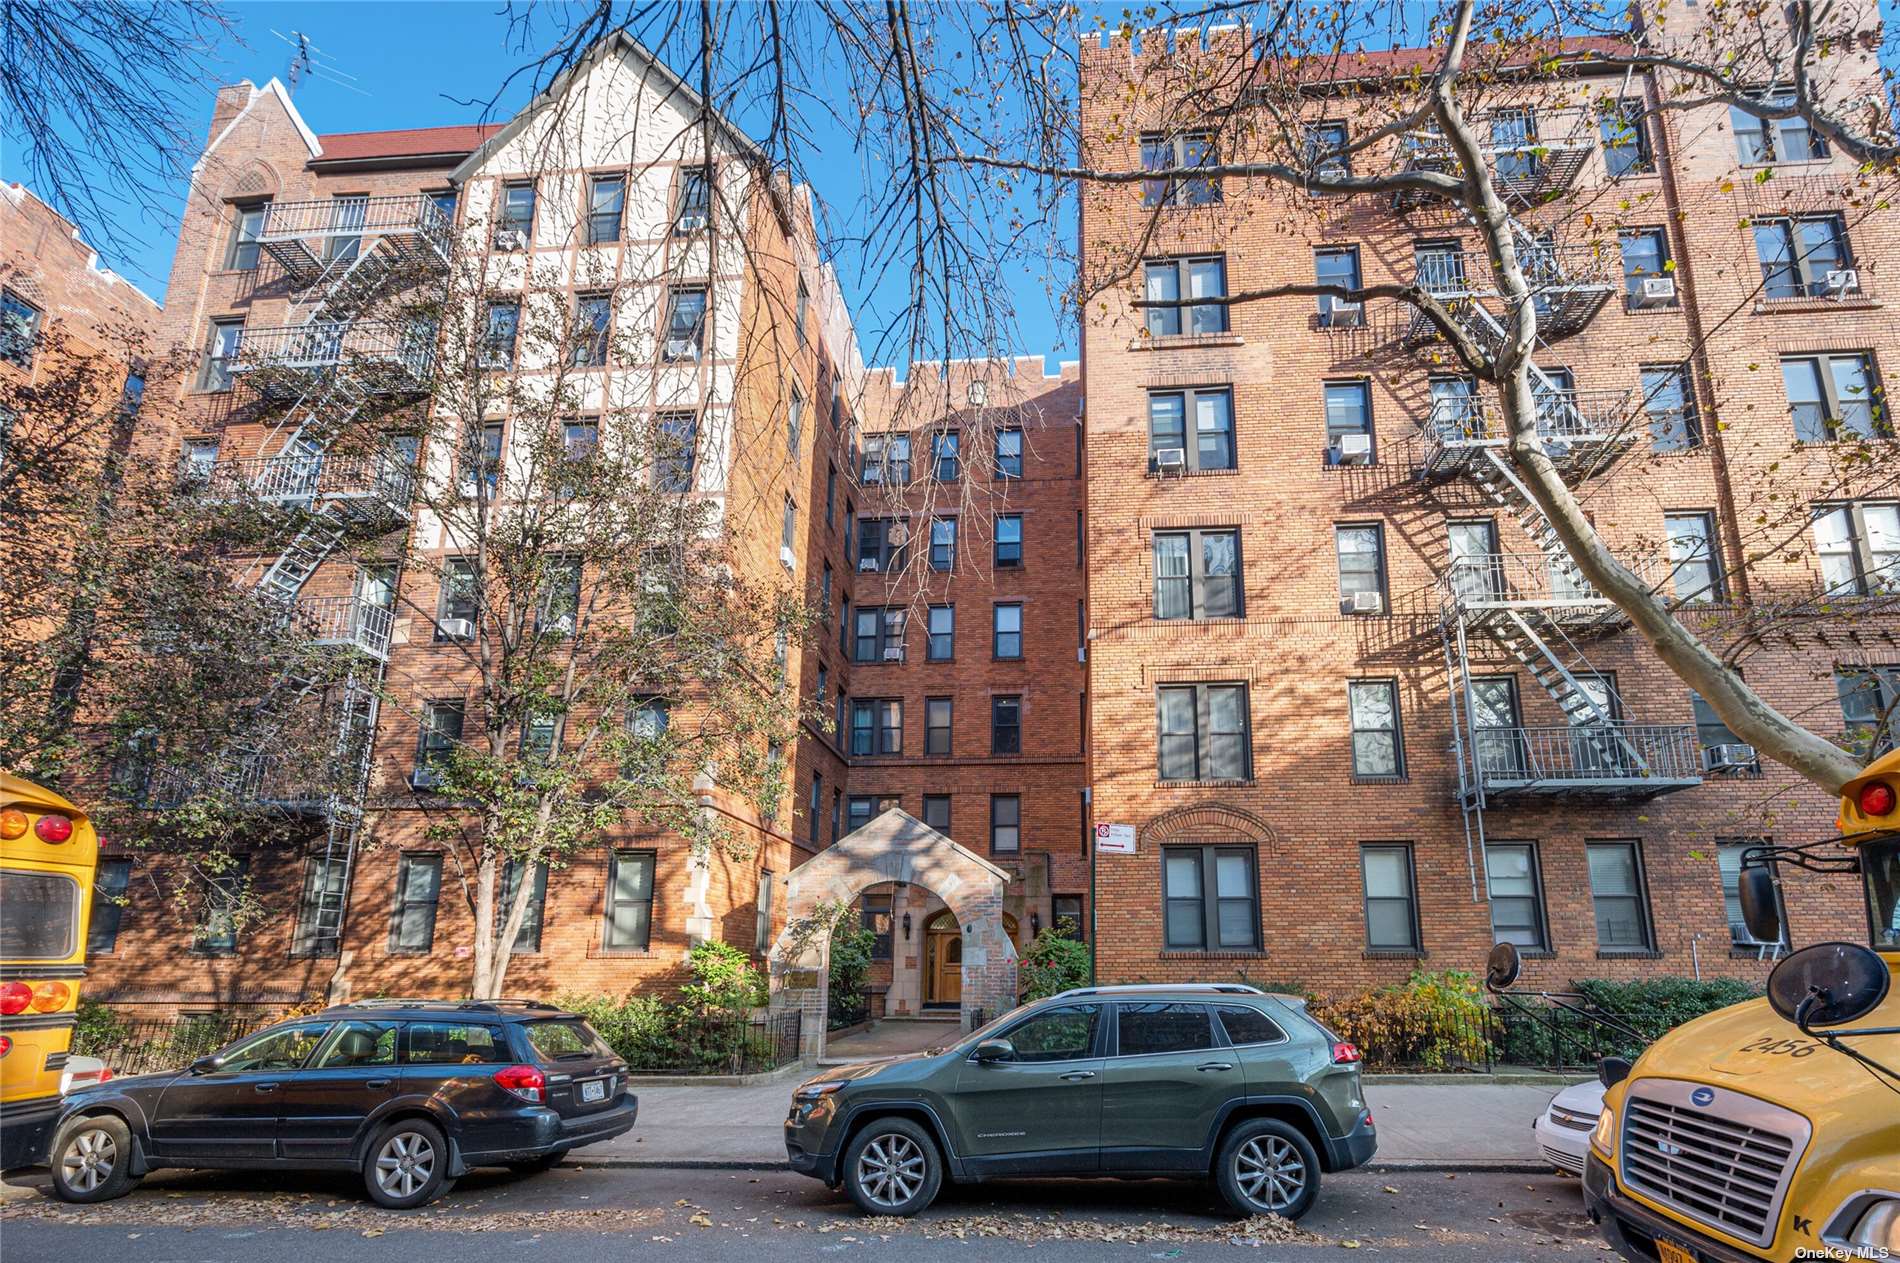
x,y
12,824
53,828
14,997
49,996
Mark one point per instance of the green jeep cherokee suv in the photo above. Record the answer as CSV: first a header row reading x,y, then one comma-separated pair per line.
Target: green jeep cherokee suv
x,y
1220,1081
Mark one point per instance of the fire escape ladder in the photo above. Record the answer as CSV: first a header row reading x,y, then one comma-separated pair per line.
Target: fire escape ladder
x,y
1494,476
1590,721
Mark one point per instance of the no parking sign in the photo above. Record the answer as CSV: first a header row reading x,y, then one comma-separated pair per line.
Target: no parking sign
x,y
1115,839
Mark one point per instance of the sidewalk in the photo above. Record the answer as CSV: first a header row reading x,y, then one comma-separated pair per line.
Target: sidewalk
x,y
1451,1126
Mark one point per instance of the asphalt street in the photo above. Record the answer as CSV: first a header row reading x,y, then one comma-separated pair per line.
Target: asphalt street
x,y
727,1217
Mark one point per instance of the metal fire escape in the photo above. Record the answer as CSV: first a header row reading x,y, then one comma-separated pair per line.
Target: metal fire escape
x,y
324,482
1532,608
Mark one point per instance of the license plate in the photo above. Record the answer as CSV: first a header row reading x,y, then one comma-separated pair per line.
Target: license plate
x,y
596,1090
1670,1252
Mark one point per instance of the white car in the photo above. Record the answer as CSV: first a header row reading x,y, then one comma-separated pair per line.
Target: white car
x,y
1563,1129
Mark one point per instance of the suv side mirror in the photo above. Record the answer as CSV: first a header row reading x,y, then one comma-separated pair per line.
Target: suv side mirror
x,y
208,1064
995,1050
1760,912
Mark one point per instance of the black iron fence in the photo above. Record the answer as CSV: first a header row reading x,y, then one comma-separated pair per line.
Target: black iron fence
x,y
146,1046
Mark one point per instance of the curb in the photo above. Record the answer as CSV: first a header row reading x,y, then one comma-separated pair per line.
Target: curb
x,y
1477,1166
1532,1079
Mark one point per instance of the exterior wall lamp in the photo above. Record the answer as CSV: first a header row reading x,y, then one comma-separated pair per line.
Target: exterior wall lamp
x,y
907,927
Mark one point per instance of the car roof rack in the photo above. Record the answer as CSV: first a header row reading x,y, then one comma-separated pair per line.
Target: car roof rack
x,y
475,1006
1137,988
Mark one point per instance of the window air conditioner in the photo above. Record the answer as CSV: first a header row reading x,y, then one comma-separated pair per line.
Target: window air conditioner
x,y
1346,315
1352,449
425,777
893,653
681,349
870,563
1368,602
1658,291
559,625
689,221
510,239
1843,281
1729,758
1171,458
873,475
786,557
457,628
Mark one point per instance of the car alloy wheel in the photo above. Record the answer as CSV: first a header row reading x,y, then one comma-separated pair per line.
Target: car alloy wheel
x,y
405,1163
891,1170
1271,1172
89,1160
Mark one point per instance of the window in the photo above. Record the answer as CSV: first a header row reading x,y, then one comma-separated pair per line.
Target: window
x,y
1201,281
498,334
1064,1034
221,349
1007,631
762,901
1197,574
198,463
1067,911
859,811
418,888
224,893
320,909
1616,890
580,439
1625,140
629,909
801,313
1391,897
1695,571
1009,539
937,812
515,229
1759,141
1361,552
1143,1029
440,733
445,200
606,203
879,634
1348,412
1645,257
943,633
1832,397
1868,696
1210,898
1006,824
685,322
877,726
456,602
481,461
1669,402
1457,410
886,459
1213,446
593,324
788,533
453,1043
1338,266
943,543
110,881
1516,893
286,1048
874,915
1203,732
881,543
1728,857
648,718
1797,254
1244,1026
349,212
1167,153
1322,148
677,434
539,735
1006,725
528,938
351,1045
1009,453
795,422
246,223
1710,730
943,456
694,207
1514,143
1378,749
937,711
1859,547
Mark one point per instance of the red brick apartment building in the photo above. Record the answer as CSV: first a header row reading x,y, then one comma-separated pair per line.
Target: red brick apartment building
x,y
1360,716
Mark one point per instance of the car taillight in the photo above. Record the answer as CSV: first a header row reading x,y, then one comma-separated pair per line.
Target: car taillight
x,y
105,1073
14,997
525,1082
1344,1054
49,996
53,828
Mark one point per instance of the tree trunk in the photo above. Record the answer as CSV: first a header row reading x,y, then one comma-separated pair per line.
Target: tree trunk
x,y
481,986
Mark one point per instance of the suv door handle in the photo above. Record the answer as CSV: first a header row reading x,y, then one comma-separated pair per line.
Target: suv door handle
x,y
377,1083
1215,1065
266,1087
1075,1076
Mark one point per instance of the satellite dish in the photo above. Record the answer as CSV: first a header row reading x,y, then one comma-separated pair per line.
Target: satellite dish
x,y
1502,966
1828,984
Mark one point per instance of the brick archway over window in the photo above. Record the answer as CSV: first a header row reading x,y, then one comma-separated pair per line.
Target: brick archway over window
x,y
893,847
254,179
1211,822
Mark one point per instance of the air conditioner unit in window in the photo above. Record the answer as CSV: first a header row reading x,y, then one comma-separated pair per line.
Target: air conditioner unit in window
x,y
425,777
870,563
681,349
1657,291
1171,459
1367,603
787,557
893,653
559,625
689,221
1843,281
1346,315
1730,758
1352,449
456,628
510,239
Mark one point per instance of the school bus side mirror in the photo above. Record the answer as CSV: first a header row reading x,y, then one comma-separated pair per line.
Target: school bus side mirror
x,y
1761,911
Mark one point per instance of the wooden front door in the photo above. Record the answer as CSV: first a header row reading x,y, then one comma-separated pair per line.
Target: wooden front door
x,y
943,960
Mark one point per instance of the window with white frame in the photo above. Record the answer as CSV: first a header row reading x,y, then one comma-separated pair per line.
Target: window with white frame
x,y
1859,548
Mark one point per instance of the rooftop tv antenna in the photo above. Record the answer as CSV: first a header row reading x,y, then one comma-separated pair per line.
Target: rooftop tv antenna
x,y
306,59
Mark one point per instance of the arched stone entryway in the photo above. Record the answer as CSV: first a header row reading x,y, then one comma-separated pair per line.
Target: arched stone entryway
x,y
893,847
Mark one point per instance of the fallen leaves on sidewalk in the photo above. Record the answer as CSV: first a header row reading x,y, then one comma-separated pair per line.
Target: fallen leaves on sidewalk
x,y
308,1212
1257,1231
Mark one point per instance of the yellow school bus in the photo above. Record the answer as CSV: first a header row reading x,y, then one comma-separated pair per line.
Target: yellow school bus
x,y
48,850
1770,1130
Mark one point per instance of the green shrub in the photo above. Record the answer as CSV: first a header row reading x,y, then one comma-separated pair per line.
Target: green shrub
x,y
97,1027
723,978
1053,963
1434,1021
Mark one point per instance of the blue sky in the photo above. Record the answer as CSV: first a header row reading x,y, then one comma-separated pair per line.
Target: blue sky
x,y
410,61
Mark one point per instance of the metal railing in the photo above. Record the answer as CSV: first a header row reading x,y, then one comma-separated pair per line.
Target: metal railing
x,y
1563,416
1608,753
405,349
1502,580
353,217
149,1046
1451,273
350,621
301,477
